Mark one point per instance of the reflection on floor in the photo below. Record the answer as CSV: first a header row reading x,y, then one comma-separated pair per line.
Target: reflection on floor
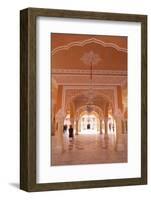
x,y
88,149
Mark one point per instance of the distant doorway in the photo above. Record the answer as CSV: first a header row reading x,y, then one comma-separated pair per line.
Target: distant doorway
x,y
89,123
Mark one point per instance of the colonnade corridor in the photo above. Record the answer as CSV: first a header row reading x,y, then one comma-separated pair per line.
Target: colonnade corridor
x,y
88,148
89,109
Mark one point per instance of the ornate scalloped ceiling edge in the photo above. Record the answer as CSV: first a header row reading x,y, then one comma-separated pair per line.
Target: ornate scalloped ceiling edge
x,y
88,41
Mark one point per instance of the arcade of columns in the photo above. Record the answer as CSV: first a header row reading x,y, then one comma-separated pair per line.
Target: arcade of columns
x,y
60,111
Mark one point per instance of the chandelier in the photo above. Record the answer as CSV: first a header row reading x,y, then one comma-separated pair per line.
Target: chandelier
x,y
90,58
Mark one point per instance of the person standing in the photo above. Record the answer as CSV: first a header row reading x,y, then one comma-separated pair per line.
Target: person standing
x,y
65,128
71,133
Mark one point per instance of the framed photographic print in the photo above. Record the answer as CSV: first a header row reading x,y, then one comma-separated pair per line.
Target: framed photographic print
x,y
83,99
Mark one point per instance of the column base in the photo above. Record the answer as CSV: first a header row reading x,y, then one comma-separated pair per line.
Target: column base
x,y
105,142
119,147
120,144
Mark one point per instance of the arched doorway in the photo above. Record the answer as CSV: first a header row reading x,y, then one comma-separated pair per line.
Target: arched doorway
x,y
89,123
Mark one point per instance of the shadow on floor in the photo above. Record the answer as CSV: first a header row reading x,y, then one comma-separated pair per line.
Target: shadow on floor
x,y
16,185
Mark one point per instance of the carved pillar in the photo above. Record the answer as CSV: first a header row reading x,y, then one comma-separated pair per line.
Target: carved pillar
x,y
52,118
106,126
60,120
76,126
125,126
119,136
105,135
79,126
52,126
106,119
72,121
101,126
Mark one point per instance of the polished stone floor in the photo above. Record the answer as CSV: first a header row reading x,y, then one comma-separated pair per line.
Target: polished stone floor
x,y
88,149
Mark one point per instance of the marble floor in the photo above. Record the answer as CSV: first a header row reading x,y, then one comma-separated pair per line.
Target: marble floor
x,y
87,149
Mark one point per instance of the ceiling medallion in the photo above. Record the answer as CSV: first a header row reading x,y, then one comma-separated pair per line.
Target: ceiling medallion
x,y
90,58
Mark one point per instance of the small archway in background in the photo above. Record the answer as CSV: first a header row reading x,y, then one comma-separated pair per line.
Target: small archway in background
x,y
89,123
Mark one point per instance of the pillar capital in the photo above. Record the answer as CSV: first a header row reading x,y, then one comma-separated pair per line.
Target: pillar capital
x,y
106,119
60,115
118,114
72,120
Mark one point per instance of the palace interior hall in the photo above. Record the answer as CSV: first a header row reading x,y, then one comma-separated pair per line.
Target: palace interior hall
x,y
88,99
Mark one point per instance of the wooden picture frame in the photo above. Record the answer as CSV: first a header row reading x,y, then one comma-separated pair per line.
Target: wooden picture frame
x,y
28,83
